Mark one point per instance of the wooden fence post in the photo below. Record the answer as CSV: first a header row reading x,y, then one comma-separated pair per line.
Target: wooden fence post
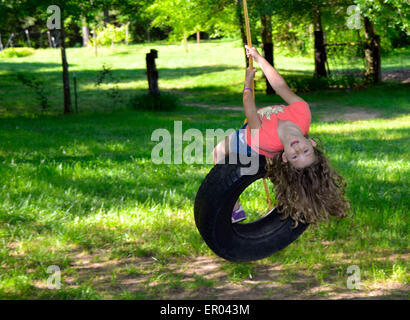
x,y
152,72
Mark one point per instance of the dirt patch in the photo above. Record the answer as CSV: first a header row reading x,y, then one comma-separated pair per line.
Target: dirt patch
x,y
400,75
212,107
211,278
340,112
348,113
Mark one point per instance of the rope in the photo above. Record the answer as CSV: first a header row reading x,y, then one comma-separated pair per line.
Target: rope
x,y
249,41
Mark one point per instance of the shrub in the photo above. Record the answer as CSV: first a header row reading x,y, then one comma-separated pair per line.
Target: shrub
x,y
163,102
38,86
311,83
306,84
108,35
16,52
106,76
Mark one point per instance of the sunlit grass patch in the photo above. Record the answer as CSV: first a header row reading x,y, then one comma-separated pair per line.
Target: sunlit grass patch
x,y
378,127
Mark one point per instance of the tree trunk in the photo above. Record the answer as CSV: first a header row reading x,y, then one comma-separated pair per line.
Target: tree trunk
x,y
241,22
186,41
28,37
320,49
148,34
10,41
66,79
198,37
85,32
106,17
372,53
95,41
266,21
127,33
49,39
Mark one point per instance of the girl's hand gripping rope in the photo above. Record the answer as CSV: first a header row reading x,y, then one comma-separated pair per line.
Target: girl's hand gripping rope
x,y
252,52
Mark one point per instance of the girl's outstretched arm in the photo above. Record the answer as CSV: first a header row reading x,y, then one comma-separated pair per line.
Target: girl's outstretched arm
x,y
275,79
249,106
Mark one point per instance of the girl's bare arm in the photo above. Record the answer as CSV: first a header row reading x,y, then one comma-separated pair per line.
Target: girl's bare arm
x,y
275,79
249,106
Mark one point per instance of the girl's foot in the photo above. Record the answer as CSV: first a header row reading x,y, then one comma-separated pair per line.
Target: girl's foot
x,y
238,215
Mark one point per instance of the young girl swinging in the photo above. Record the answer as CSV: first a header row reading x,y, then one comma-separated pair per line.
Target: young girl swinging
x,y
307,188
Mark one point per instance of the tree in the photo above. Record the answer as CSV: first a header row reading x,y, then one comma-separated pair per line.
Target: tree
x,y
216,17
241,23
265,10
66,77
267,43
85,30
310,12
10,17
182,15
372,53
66,9
320,49
380,14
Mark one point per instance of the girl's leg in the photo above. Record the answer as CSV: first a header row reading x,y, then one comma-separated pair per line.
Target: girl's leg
x,y
222,149
220,153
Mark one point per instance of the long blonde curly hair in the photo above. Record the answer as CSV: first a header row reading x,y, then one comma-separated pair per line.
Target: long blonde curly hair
x,y
310,194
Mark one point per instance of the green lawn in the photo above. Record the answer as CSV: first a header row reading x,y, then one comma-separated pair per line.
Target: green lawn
x,y
83,186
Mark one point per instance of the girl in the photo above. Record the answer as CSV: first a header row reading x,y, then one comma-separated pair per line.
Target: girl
x,y
307,188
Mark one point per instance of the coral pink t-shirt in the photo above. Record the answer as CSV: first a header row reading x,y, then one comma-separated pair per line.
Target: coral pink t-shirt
x,y
269,143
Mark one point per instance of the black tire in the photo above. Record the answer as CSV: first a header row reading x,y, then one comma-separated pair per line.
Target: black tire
x,y
239,242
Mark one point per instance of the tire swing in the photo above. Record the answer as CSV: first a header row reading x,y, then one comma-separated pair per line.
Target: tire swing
x,y
216,197
239,242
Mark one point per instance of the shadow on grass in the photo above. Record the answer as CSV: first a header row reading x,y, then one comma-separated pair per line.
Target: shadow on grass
x,y
391,98
121,75
139,278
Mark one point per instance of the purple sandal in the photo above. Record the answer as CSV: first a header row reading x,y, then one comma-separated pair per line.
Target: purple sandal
x,y
238,215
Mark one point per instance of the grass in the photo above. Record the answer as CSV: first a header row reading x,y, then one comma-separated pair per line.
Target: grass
x,y
84,184
211,73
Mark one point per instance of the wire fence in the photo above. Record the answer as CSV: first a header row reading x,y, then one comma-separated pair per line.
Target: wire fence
x,y
346,59
27,38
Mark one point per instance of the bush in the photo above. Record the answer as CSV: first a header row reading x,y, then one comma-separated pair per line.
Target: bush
x,y
36,84
163,102
106,76
108,35
16,52
335,80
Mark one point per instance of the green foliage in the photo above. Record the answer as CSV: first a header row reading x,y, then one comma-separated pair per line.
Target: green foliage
x,y
16,52
387,13
109,35
215,17
176,13
39,87
304,84
163,102
106,76
292,20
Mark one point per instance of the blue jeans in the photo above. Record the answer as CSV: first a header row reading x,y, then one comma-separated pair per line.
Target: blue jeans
x,y
238,143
